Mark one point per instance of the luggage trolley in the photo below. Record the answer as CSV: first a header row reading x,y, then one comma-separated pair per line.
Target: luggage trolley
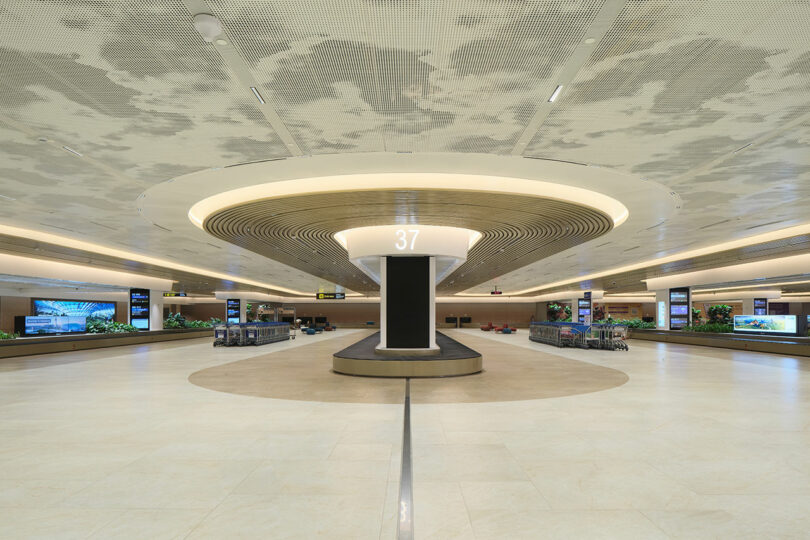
x,y
220,335
611,337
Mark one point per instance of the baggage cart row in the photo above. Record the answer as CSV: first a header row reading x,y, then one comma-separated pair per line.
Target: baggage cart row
x,y
252,333
565,334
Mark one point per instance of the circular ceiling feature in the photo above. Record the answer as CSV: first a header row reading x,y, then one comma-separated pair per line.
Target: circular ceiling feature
x,y
299,231
184,203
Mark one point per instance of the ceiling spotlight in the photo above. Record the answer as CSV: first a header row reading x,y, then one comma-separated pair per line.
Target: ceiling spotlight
x,y
221,41
43,139
257,94
208,26
555,94
590,41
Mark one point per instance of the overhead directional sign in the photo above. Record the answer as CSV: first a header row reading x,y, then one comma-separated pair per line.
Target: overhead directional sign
x,y
330,296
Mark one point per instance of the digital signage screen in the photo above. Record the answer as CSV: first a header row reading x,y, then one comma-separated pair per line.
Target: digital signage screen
x,y
233,307
678,296
44,325
765,324
676,323
679,310
139,308
760,306
73,308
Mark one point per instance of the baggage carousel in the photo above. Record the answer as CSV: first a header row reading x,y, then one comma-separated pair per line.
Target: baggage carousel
x,y
363,359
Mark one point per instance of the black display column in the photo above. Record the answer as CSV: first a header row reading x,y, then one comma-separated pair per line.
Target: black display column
x,y
407,302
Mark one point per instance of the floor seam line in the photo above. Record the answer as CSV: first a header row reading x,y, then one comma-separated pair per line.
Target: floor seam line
x,y
405,507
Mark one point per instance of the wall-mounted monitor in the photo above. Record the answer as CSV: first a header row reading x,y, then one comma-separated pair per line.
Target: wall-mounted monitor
x,y
233,308
43,307
139,308
466,320
765,324
45,325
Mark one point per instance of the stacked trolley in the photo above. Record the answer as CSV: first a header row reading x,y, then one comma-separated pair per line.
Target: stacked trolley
x,y
252,333
567,334
610,336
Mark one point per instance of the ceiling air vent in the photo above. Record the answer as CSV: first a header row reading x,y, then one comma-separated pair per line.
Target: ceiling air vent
x,y
710,225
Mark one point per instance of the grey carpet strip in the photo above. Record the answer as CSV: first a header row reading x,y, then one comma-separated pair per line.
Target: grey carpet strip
x,y
405,525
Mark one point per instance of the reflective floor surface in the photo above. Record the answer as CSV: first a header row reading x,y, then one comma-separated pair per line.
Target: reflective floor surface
x,y
183,440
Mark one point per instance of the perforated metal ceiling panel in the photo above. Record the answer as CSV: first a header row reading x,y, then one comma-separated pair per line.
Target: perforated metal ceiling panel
x,y
406,76
711,98
516,230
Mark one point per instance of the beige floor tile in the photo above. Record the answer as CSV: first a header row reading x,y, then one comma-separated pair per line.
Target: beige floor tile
x,y
295,516
339,477
518,496
439,511
608,485
362,452
53,523
152,524
458,463
563,525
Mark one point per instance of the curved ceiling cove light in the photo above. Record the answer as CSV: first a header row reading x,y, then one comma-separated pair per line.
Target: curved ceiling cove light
x,y
617,211
587,201
67,241
692,253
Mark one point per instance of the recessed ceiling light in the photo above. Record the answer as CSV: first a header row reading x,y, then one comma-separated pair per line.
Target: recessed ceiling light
x,y
43,139
555,94
257,94
71,150
221,41
590,40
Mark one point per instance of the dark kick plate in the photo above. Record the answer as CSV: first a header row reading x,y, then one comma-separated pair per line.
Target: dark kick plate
x,y
365,350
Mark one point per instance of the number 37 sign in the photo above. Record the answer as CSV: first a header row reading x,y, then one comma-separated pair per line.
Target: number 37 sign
x,y
406,239
410,239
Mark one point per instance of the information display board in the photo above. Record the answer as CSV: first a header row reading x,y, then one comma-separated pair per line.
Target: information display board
x,y
139,308
584,310
678,308
760,306
233,307
765,324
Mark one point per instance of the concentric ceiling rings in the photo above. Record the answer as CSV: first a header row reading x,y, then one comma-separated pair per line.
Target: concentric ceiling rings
x,y
299,230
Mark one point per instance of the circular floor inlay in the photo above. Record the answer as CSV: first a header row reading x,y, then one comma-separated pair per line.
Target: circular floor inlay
x,y
510,373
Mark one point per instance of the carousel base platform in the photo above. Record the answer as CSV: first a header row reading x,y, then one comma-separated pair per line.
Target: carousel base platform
x,y
363,359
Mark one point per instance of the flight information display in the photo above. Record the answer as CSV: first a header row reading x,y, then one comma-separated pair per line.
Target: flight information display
x,y
233,308
678,308
139,308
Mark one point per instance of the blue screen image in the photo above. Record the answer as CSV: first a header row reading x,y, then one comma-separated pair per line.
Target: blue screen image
x,y
69,308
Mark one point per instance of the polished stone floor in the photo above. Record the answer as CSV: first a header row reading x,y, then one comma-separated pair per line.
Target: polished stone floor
x,y
146,442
